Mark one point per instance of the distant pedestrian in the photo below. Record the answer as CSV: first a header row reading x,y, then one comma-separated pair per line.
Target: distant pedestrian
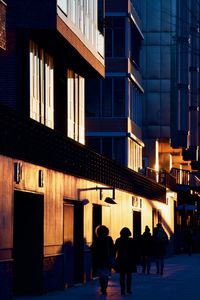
x,y
189,240
102,249
124,247
160,240
146,244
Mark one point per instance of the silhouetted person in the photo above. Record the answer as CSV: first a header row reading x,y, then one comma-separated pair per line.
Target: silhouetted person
x,y
160,240
102,249
146,245
124,247
189,240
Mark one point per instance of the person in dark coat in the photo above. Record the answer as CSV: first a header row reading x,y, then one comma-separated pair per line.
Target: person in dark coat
x,y
146,245
160,240
189,240
103,250
124,248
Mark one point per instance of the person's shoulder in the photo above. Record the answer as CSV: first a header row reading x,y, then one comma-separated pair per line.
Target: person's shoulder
x,y
118,240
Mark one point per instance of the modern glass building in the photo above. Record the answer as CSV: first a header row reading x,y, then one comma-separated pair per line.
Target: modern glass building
x,y
113,106
170,70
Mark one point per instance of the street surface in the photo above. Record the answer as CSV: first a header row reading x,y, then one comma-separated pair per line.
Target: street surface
x,y
181,281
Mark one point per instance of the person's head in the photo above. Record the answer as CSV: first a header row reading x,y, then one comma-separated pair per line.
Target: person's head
x,y
159,225
125,232
147,229
102,230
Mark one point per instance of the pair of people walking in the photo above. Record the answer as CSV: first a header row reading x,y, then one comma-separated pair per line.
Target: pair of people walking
x,y
104,253
153,246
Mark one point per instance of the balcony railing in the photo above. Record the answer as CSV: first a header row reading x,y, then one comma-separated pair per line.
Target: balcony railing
x,y
162,176
25,139
186,178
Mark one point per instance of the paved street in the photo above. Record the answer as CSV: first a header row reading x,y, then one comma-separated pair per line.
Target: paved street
x,y
181,280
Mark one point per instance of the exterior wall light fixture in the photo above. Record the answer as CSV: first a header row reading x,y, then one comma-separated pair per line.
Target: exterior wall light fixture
x,y
107,199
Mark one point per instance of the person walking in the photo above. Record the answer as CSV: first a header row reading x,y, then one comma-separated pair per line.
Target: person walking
x,y
189,240
146,244
160,240
125,259
103,251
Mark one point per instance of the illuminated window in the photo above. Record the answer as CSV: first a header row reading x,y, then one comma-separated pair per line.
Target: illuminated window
x,y
41,85
76,107
134,155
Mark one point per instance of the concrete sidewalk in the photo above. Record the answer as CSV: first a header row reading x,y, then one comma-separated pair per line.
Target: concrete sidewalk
x,y
181,280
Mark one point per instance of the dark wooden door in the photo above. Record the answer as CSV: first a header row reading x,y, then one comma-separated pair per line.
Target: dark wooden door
x,y
28,243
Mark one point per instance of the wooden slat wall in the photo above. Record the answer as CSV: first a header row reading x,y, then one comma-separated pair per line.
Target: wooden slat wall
x,y
57,188
6,207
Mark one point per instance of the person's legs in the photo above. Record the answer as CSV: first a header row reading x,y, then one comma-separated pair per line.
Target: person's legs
x,y
103,283
129,281
143,264
158,264
161,264
148,264
122,282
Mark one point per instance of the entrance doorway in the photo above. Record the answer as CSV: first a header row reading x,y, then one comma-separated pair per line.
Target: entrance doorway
x,y
73,243
28,243
136,224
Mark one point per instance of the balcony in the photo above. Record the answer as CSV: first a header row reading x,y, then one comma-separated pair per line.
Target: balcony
x,y
186,180
2,25
26,139
162,177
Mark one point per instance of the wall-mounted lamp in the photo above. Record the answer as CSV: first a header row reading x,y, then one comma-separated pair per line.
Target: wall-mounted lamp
x,y
110,200
17,172
107,199
85,201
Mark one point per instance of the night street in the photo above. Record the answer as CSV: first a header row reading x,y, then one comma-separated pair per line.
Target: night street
x,y
180,281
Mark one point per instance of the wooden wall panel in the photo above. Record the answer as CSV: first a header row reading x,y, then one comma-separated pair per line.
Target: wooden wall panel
x,y
57,187
53,209
6,202
106,216
88,224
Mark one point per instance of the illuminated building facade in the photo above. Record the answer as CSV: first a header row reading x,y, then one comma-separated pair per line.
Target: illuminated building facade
x,y
54,190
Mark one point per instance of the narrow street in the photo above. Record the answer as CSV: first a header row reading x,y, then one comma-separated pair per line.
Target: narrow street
x,y
180,281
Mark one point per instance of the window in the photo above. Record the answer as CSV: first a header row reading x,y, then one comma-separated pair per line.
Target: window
x,y
94,144
76,107
119,97
105,98
113,97
63,5
41,85
135,104
92,93
135,46
112,147
115,37
134,155
101,16
107,147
